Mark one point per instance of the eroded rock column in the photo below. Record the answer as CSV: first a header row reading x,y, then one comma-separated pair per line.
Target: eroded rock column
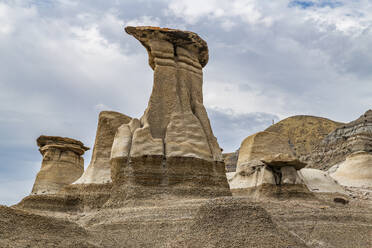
x,y
62,163
172,144
99,171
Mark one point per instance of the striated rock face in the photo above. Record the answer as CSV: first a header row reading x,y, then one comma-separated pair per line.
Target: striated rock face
x,y
175,122
99,170
231,159
304,133
173,143
62,163
345,140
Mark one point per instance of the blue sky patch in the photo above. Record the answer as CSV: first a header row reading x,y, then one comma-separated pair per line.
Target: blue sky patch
x,y
309,4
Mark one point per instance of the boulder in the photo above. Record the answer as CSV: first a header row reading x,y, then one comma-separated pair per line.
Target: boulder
x,y
62,163
355,171
254,174
262,145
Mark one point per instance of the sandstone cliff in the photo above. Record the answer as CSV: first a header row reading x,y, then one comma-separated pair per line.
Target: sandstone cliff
x,y
345,140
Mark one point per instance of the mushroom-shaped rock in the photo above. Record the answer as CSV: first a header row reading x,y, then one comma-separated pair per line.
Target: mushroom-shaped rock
x,y
267,161
172,144
62,163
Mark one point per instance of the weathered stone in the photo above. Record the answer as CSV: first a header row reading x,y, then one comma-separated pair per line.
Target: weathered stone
x,y
230,159
252,174
172,147
99,170
261,145
345,140
266,165
62,163
175,116
355,171
319,181
283,160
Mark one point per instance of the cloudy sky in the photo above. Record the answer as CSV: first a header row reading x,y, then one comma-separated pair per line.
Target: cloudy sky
x,y
63,61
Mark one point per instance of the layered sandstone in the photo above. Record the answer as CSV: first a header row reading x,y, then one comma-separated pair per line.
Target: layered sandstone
x,y
230,159
261,145
267,165
349,138
172,146
99,171
62,163
93,188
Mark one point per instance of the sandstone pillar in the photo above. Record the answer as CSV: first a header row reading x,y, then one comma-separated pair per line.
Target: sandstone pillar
x,y
98,171
62,163
172,143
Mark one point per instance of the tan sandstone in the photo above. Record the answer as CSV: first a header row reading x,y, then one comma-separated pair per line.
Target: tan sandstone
x,y
171,149
99,170
62,163
267,166
355,171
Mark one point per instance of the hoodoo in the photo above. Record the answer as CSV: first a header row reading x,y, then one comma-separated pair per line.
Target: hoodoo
x,y
62,163
267,165
172,147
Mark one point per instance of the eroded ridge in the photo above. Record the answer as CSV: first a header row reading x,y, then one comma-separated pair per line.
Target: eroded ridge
x,y
347,139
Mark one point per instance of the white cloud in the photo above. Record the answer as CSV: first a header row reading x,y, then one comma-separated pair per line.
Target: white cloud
x,y
144,21
10,16
193,10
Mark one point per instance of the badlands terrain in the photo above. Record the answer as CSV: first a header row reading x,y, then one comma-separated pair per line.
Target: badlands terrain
x,y
162,181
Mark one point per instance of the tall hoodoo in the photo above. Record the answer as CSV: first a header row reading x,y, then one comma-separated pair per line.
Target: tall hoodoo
x,y
175,115
62,163
173,141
